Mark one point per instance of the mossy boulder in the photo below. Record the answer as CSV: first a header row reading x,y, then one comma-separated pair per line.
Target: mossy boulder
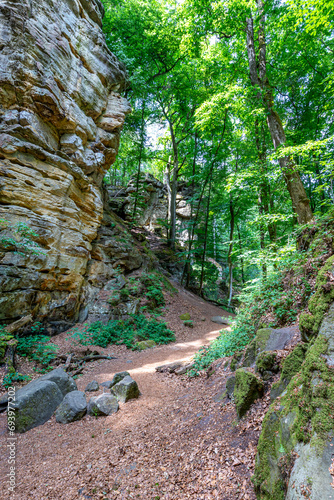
x,y
290,367
144,344
117,378
126,389
319,303
35,403
274,457
248,388
306,415
185,317
103,405
266,361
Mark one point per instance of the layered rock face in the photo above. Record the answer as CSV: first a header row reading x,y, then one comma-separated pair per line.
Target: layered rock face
x,y
60,122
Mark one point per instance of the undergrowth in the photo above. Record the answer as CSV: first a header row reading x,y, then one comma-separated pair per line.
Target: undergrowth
x,y
127,332
278,300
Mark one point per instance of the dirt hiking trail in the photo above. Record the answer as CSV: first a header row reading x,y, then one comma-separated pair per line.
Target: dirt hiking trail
x,y
175,442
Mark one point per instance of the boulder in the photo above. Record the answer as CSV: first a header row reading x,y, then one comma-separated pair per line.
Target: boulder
x,y
144,344
35,403
220,320
248,388
311,472
185,317
93,386
266,361
61,379
73,407
290,367
126,389
118,377
102,405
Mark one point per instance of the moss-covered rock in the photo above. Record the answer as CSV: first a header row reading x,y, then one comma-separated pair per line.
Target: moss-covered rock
x,y
290,367
319,303
185,317
306,415
144,344
248,388
266,361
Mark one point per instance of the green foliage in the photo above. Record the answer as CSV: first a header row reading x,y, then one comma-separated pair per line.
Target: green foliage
x,y
128,332
18,238
37,347
11,378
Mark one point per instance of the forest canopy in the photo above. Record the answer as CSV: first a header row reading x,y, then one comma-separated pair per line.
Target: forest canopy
x,y
235,99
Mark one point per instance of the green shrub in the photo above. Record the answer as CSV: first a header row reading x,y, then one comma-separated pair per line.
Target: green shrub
x,y
127,332
11,378
37,347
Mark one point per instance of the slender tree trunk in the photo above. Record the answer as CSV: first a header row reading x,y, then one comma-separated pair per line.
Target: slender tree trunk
x,y
169,197
205,235
230,250
139,159
172,233
241,258
258,77
187,265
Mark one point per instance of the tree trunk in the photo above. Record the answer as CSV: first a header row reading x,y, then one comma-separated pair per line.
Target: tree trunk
x,y
139,159
205,234
258,77
172,232
230,249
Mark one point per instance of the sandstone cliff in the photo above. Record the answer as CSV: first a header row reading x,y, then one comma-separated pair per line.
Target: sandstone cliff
x,y
60,120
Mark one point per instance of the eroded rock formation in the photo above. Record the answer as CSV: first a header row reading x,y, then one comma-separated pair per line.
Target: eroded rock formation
x,y
60,120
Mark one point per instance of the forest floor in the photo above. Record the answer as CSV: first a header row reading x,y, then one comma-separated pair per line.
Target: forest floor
x,y
177,441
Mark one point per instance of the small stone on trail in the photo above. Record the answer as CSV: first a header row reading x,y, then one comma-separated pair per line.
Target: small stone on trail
x,y
126,389
220,320
92,386
102,405
73,407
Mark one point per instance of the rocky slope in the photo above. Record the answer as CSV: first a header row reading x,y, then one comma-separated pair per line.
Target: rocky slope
x,y
60,120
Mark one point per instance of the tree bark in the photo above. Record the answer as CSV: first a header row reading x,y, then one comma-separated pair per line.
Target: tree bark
x,y
258,77
230,249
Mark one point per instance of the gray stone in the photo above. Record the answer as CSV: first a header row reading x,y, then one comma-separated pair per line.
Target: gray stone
x,y
311,471
279,339
92,386
108,384
118,377
62,379
73,407
220,320
35,403
126,389
102,405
